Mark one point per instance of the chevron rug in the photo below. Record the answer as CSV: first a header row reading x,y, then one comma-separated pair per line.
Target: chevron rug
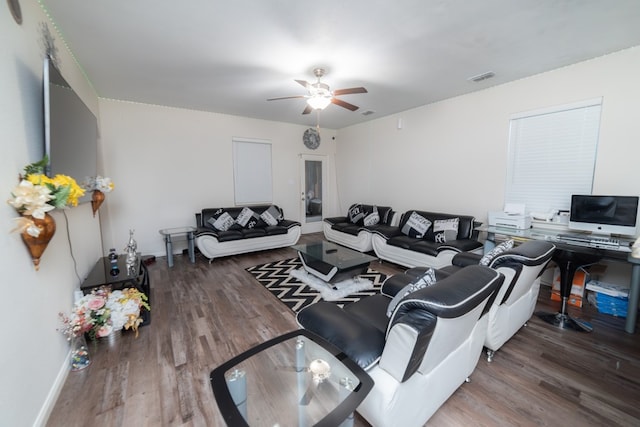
x,y
276,277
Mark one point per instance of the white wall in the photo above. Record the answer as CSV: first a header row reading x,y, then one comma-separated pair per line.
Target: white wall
x,y
167,164
451,156
33,355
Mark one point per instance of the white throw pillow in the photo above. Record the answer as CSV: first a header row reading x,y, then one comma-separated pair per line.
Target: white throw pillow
x,y
445,230
223,222
489,256
373,218
416,225
271,216
427,279
244,216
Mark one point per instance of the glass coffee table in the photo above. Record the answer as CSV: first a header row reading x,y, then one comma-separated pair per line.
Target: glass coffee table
x,y
332,263
296,379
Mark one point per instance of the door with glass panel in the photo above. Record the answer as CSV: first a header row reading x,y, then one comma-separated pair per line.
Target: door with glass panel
x,y
313,192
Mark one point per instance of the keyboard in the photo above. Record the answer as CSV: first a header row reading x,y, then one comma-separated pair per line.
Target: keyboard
x,y
591,241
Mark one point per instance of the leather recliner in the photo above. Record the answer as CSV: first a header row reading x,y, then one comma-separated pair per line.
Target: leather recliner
x,y
516,300
422,353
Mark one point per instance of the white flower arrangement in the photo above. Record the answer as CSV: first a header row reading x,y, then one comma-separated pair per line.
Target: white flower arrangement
x,y
100,183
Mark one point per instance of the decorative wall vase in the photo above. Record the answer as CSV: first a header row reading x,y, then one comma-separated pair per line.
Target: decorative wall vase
x,y
96,200
37,245
79,353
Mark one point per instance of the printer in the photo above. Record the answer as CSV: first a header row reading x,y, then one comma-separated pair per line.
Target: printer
x,y
513,216
509,220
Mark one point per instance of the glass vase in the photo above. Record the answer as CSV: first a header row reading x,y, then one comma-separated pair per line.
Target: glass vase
x,y
79,353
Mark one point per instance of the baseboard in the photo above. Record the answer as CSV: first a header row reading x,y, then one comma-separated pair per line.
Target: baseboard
x,y
54,393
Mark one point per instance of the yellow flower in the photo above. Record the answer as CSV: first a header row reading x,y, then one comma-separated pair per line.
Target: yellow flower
x,y
75,190
64,189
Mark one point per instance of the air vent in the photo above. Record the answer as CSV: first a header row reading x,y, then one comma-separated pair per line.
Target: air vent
x,y
481,77
368,113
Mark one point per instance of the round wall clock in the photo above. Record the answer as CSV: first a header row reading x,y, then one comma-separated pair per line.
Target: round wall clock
x,y
311,138
14,7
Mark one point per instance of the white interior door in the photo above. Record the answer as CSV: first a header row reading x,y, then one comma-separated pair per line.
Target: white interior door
x,y
313,191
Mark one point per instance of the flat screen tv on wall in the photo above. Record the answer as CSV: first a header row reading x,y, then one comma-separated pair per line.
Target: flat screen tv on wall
x,y
70,130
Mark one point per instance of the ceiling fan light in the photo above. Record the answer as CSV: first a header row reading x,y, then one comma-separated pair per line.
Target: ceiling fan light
x,y
319,102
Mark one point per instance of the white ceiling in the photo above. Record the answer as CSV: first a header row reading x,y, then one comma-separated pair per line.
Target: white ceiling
x,y
230,56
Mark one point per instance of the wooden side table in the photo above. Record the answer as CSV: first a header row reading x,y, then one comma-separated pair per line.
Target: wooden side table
x,y
167,233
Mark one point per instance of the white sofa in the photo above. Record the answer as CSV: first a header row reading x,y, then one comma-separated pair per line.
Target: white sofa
x,y
350,231
255,235
433,249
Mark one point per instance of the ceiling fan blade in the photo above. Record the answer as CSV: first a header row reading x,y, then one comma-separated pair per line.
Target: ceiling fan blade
x,y
307,109
303,83
286,97
349,90
344,104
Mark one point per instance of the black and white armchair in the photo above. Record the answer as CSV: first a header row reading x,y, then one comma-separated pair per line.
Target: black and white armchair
x,y
515,302
422,353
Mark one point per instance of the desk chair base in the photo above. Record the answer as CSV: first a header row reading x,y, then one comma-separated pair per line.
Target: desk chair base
x,y
564,321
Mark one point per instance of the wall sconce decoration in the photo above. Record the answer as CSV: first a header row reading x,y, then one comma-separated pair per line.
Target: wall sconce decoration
x,y
33,198
98,185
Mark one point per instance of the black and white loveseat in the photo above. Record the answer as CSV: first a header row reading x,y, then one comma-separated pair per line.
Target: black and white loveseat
x,y
426,239
354,230
235,230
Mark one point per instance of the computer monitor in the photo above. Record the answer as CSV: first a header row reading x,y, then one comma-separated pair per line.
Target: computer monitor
x,y
604,214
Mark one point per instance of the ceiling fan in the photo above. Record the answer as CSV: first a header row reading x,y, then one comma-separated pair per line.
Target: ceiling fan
x,y
320,96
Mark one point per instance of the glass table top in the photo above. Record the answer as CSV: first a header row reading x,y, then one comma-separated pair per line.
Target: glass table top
x,y
333,254
177,230
297,379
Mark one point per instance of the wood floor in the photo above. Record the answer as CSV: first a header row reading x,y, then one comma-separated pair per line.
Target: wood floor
x,y
203,314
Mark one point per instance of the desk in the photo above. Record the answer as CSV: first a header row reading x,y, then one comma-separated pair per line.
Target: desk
x,y
295,379
566,249
168,232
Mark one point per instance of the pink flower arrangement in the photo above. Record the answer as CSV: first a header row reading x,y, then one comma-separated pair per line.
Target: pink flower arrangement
x,y
103,311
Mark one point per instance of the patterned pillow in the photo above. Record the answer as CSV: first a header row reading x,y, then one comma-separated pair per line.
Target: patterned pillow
x,y
356,213
416,225
372,218
221,220
271,216
427,279
246,218
445,230
489,256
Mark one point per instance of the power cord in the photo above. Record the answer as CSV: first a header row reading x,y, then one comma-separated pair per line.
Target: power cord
x,y
75,264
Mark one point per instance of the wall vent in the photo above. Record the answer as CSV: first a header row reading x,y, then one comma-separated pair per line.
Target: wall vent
x,y
481,77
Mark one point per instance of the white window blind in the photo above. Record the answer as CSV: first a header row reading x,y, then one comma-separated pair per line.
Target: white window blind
x,y
552,155
252,171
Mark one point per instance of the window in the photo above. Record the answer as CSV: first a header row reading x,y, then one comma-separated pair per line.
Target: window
x,y
552,155
252,171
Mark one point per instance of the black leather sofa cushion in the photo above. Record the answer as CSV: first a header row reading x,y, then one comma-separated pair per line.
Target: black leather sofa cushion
x,y
272,230
361,341
372,310
226,236
253,232
348,228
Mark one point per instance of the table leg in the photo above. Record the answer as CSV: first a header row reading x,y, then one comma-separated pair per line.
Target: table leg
x,y
568,262
634,294
192,250
169,247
